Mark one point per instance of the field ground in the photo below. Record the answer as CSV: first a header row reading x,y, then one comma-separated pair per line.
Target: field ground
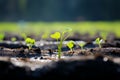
x,y
41,62
82,27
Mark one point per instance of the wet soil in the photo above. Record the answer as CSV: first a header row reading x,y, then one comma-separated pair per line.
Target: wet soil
x,y
41,62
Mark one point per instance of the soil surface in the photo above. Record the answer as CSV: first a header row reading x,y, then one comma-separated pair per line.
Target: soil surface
x,y
17,61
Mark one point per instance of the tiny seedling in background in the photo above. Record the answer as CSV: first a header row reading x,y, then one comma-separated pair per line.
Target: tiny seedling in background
x,y
70,45
98,41
23,35
13,39
82,44
62,36
104,34
2,36
45,35
30,42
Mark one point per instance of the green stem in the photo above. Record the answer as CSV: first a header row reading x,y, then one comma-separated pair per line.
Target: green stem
x,y
59,50
60,46
81,47
30,46
99,45
71,49
66,37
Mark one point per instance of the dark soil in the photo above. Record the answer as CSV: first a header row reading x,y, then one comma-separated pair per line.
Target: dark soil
x,y
85,69
41,62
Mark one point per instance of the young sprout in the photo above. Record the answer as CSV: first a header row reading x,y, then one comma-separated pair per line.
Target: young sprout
x,y
98,41
104,34
82,44
23,35
62,36
30,42
70,45
2,36
45,35
13,39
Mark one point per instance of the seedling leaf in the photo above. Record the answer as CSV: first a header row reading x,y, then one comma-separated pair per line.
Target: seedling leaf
x,y
82,44
97,41
70,44
30,42
56,35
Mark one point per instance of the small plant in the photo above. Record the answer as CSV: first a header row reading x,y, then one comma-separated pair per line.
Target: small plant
x,y
82,44
30,42
104,34
98,41
45,35
70,45
62,37
13,39
2,36
23,35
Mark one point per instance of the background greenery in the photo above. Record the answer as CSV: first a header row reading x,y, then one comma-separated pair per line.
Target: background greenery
x,y
82,27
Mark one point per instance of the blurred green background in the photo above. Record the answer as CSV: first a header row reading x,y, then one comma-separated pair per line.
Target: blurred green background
x,y
46,15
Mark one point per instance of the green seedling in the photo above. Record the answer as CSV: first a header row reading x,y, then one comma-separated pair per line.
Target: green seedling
x,y
45,35
13,39
98,41
23,35
70,45
30,42
104,34
62,37
82,44
2,36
